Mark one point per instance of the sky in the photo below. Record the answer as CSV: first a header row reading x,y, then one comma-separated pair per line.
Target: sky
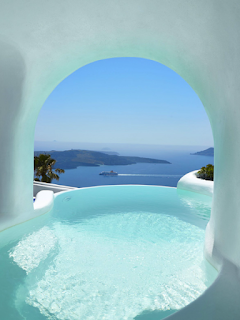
x,y
124,100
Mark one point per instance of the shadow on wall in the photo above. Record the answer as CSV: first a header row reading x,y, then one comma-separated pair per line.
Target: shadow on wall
x,y
154,315
12,75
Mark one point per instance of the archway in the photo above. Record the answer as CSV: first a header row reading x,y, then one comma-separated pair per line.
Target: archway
x,y
132,106
43,43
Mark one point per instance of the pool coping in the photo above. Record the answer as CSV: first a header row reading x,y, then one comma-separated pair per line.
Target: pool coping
x,y
190,182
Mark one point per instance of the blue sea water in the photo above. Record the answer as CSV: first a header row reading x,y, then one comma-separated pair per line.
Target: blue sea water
x,y
140,173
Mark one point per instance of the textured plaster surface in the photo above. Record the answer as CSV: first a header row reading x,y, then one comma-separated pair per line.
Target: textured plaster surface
x,y
42,42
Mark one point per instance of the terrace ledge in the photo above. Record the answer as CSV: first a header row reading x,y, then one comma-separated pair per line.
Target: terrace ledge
x,y
44,202
190,182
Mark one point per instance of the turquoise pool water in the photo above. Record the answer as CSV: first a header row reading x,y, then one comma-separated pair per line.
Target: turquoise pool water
x,y
113,253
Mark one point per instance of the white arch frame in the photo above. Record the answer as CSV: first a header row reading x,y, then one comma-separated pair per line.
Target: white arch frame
x,y
42,42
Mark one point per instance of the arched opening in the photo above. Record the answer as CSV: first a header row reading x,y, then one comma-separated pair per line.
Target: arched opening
x,y
132,106
193,38
124,250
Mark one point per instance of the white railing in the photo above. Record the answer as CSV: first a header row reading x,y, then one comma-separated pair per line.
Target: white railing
x,y
39,186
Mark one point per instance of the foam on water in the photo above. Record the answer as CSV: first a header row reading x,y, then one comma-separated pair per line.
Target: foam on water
x,y
111,267
38,246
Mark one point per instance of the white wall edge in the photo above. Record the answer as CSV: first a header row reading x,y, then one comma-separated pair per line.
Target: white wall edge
x,y
191,183
44,202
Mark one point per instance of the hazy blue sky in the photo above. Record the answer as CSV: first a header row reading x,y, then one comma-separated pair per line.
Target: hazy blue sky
x,y
124,100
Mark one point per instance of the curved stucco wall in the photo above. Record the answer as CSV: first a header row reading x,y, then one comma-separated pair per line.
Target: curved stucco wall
x,y
190,182
42,42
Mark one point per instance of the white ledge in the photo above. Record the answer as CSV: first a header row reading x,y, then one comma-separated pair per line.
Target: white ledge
x,y
43,202
190,182
39,186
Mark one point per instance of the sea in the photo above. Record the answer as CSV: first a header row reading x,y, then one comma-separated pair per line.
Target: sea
x,y
181,159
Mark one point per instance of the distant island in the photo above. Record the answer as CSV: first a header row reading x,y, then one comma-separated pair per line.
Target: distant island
x,y
208,152
71,159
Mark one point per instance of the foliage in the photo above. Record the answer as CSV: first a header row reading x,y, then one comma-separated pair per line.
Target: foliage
x,y
43,167
206,173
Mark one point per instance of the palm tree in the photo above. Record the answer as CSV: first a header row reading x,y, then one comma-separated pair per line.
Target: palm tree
x,y
43,167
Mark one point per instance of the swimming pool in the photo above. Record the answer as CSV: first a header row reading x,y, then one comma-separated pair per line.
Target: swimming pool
x,y
117,252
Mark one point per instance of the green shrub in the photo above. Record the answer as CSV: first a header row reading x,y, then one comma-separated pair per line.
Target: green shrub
x,y
206,173
43,167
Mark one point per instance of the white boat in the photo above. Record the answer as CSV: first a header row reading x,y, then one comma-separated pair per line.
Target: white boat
x,y
108,173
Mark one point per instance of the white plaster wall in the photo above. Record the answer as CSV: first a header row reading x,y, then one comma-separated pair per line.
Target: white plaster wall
x,y
42,42
190,182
